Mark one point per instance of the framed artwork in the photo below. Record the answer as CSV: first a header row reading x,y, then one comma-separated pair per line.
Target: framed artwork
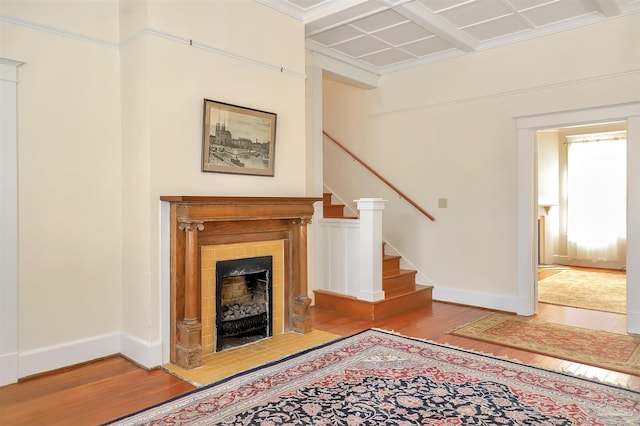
x,y
237,140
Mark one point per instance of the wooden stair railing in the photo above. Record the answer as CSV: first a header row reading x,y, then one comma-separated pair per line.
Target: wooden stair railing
x,y
379,176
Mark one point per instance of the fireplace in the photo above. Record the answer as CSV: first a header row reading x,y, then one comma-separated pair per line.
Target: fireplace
x,y
243,302
198,224
213,256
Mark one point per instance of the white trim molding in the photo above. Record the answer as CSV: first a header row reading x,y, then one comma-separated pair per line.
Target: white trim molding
x,y
474,298
633,221
8,221
155,33
58,356
146,354
165,281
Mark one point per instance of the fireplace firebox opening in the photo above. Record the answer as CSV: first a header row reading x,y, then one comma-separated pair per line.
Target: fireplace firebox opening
x,y
244,302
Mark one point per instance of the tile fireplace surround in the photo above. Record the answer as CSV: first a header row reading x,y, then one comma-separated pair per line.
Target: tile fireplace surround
x,y
197,222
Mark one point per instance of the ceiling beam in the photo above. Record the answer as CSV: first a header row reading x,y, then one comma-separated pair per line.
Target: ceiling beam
x,y
610,8
421,15
313,12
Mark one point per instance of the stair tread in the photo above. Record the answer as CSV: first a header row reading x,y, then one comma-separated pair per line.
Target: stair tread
x,y
399,282
402,272
417,288
331,210
335,211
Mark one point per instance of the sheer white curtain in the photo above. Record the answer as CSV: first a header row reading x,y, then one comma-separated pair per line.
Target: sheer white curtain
x,y
596,199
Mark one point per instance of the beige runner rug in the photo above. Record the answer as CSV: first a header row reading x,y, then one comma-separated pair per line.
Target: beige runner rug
x,y
619,352
600,291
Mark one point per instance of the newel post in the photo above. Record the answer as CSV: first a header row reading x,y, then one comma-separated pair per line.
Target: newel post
x,y
189,345
370,248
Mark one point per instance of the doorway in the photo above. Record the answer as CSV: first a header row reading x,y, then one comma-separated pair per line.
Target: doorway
x,y
528,208
581,198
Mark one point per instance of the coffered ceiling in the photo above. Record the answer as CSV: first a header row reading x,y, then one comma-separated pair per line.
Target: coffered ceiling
x,y
382,36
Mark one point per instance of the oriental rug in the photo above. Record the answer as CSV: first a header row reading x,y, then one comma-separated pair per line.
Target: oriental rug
x,y
619,352
600,291
381,378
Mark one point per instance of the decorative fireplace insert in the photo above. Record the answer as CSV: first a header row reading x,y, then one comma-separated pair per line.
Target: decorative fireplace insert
x,y
244,302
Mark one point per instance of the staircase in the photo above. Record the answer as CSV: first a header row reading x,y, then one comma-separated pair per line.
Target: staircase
x,y
332,211
402,294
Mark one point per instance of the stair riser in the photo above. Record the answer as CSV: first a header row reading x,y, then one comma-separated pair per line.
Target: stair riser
x,y
390,266
420,298
403,279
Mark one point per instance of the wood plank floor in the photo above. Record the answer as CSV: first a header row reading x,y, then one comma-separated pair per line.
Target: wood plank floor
x,y
104,390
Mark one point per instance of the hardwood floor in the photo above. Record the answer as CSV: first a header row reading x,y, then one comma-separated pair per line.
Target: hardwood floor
x,y
88,394
100,391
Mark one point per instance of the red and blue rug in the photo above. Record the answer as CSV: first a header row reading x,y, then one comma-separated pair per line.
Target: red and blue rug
x,y
380,378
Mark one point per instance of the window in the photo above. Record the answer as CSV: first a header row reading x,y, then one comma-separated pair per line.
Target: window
x,y
596,197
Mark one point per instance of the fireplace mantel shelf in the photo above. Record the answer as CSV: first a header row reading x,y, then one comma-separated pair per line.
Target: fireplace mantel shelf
x,y
196,221
214,209
198,199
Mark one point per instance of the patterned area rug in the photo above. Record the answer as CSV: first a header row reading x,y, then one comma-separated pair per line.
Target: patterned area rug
x,y
612,351
377,377
601,291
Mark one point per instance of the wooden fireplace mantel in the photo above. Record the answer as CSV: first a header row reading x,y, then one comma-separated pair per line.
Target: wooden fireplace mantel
x,y
197,221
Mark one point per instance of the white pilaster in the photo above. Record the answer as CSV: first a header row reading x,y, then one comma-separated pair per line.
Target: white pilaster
x,y
633,222
371,248
8,222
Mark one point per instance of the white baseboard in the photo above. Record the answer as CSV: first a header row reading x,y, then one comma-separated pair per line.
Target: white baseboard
x,y
148,355
564,260
478,299
66,354
633,322
8,368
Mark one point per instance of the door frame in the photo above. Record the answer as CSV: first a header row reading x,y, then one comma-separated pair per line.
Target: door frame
x,y
9,222
527,261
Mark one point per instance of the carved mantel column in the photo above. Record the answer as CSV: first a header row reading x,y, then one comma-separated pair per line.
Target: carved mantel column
x,y
301,317
189,345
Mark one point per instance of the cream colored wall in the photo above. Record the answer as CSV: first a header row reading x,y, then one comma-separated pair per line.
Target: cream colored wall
x,y
240,65
110,104
69,171
447,130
